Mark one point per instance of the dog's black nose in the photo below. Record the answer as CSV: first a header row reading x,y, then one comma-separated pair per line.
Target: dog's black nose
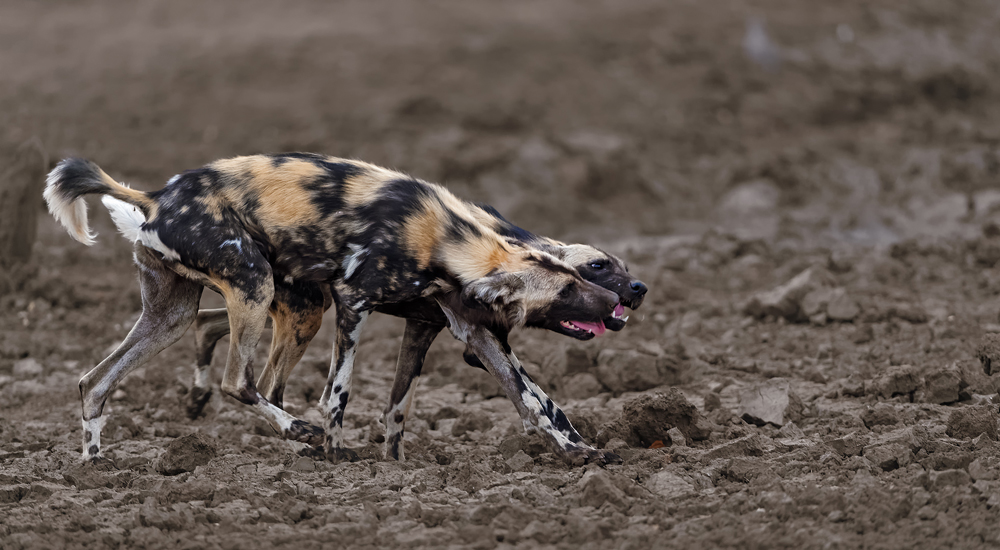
x,y
639,288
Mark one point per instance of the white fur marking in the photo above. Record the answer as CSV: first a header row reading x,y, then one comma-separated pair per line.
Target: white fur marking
x,y
151,239
238,243
128,219
352,262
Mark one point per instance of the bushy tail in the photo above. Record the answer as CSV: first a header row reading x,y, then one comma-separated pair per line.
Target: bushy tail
x,y
73,178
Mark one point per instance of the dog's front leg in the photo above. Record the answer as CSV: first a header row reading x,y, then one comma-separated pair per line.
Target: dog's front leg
x,y
417,339
350,323
538,412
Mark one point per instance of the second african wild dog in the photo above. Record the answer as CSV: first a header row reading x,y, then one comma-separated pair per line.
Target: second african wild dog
x,y
375,236
424,321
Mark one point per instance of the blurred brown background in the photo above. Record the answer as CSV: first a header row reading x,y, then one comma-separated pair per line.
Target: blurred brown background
x,y
582,120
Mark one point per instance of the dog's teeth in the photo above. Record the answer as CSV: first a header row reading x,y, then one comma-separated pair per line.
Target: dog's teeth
x,y
625,320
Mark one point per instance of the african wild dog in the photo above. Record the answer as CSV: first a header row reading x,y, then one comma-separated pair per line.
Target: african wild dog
x,y
424,321
376,237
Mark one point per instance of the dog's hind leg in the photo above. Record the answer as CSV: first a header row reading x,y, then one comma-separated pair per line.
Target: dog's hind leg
x,y
417,339
209,327
350,322
169,305
248,293
297,313
538,412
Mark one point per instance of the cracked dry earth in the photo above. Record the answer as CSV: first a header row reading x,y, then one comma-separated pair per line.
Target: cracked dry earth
x,y
746,418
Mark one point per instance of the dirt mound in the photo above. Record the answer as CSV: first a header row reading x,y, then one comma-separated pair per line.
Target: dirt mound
x,y
186,453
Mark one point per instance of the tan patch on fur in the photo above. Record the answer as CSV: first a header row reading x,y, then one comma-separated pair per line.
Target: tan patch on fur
x,y
474,258
284,202
423,231
579,254
366,186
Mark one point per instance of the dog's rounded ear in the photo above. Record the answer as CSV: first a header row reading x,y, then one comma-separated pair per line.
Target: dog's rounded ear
x,y
492,292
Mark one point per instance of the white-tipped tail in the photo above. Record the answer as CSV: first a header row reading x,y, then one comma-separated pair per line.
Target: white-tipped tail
x,y
71,213
128,219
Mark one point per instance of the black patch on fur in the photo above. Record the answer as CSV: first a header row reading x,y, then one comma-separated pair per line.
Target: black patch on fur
x,y
87,436
398,418
93,450
504,227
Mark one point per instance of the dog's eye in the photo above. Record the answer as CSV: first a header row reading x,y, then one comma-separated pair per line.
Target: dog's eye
x,y
566,291
597,264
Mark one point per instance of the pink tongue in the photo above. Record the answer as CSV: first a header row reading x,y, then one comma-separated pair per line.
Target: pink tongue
x,y
597,328
619,309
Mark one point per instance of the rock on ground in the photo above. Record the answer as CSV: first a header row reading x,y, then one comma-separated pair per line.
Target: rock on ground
x,y
770,402
970,422
787,300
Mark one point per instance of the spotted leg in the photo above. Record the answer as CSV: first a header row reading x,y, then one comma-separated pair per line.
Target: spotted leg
x,y
209,327
169,305
350,323
538,413
417,339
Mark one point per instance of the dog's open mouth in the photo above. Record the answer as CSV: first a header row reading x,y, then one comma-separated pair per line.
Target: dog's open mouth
x,y
616,321
581,328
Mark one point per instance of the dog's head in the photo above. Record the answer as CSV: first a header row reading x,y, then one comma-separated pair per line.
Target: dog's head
x,y
607,271
536,289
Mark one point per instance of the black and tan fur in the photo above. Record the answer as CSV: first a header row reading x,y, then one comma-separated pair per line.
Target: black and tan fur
x,y
242,226
424,322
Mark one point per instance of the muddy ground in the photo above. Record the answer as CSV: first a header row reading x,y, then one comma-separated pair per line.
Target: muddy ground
x,y
810,192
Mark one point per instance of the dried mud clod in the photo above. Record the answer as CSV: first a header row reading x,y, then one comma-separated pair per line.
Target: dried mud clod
x,y
186,453
989,352
649,417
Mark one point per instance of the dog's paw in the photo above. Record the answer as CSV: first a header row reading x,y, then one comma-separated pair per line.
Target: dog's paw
x,y
304,432
199,398
341,454
578,456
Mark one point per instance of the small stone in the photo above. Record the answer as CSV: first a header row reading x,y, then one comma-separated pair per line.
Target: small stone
x,y
984,469
471,423
899,380
27,368
677,439
842,307
849,445
750,445
836,516
970,422
598,488
770,402
852,386
989,353
884,456
881,414
669,485
944,478
926,513
298,512
942,386
521,462
786,300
